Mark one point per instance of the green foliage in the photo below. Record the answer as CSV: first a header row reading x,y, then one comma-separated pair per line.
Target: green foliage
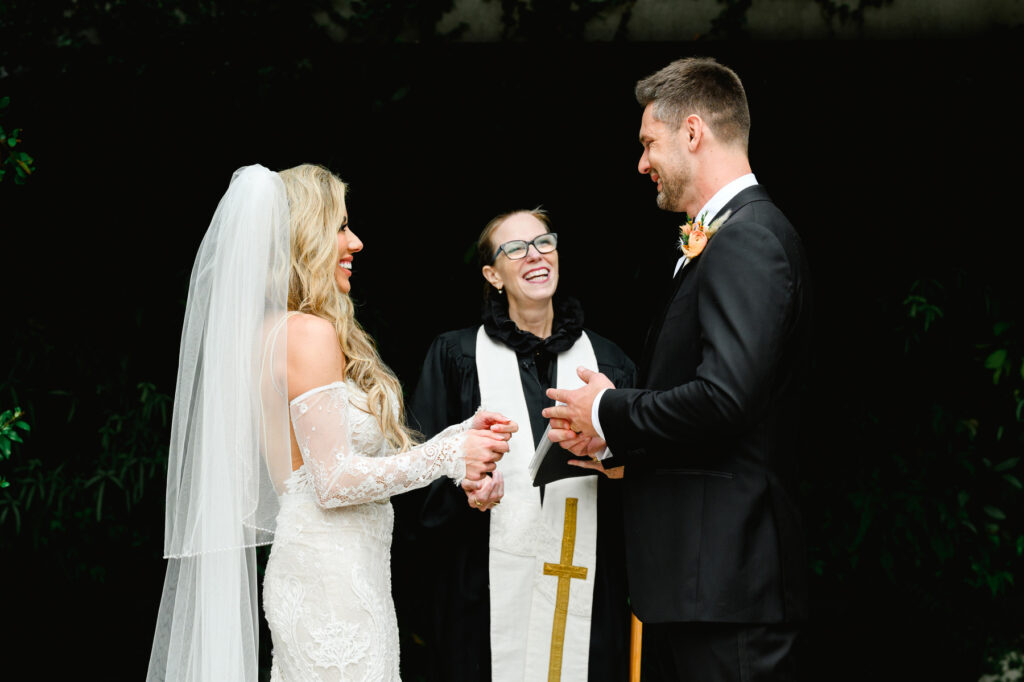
x,y
731,21
10,424
374,22
934,503
72,25
848,11
558,19
78,506
12,159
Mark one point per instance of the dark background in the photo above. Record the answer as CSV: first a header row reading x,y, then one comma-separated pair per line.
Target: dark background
x,y
895,160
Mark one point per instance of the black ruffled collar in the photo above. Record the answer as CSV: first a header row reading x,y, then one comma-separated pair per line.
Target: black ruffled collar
x,y
565,328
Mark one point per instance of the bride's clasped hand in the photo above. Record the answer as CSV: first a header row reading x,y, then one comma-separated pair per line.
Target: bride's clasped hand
x,y
486,443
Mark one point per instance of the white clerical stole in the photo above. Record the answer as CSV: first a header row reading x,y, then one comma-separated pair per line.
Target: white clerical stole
x,y
525,536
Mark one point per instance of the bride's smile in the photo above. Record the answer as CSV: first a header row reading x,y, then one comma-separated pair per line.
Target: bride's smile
x,y
348,244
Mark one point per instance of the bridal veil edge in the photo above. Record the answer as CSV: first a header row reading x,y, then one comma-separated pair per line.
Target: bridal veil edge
x,y
230,450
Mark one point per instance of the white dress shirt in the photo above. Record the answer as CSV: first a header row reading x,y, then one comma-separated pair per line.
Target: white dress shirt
x,y
710,210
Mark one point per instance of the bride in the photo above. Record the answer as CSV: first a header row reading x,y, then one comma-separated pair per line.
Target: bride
x,y
288,428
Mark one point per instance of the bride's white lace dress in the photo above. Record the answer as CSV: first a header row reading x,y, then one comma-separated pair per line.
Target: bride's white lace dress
x,y
327,590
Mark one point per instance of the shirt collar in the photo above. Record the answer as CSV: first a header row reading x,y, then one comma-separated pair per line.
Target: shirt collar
x,y
717,203
724,196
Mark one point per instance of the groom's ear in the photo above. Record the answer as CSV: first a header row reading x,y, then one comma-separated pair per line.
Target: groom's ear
x,y
693,129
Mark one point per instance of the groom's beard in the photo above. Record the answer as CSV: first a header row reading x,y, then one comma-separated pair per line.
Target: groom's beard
x,y
670,198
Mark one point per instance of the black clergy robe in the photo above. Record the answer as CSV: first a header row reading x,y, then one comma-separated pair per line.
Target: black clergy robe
x,y
447,552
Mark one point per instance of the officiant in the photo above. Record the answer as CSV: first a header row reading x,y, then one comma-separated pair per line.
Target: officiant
x,y
529,339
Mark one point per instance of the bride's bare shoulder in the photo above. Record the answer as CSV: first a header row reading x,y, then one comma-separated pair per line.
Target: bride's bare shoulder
x,y
305,327
314,354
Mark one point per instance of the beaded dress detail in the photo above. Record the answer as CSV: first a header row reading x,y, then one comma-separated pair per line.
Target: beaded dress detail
x,y
327,590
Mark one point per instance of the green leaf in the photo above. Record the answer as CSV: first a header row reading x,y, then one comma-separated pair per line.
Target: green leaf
x,y
11,142
5,446
962,497
4,101
22,425
970,526
99,502
1000,327
1006,464
996,359
1014,481
995,512
13,435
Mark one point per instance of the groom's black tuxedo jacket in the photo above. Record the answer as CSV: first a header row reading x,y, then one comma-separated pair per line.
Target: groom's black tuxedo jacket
x,y
710,440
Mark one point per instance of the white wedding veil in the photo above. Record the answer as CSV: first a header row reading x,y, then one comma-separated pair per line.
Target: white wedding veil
x,y
229,437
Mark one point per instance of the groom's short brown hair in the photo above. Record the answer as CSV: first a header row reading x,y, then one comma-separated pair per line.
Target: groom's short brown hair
x,y
701,86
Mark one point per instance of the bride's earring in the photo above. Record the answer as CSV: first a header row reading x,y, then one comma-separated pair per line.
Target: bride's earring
x,y
500,291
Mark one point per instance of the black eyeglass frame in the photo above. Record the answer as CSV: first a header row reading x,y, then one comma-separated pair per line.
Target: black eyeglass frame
x,y
528,245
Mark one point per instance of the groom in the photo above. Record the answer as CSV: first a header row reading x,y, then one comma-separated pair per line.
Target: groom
x,y
715,551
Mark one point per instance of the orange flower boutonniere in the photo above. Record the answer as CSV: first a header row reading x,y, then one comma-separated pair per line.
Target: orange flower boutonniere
x,y
694,235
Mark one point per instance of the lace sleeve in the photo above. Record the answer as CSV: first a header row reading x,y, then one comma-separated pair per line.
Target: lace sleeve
x,y
344,477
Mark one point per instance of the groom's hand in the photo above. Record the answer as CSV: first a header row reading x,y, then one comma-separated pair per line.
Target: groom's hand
x,y
575,413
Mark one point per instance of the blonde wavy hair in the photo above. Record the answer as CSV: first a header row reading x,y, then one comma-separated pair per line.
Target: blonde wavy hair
x,y
316,202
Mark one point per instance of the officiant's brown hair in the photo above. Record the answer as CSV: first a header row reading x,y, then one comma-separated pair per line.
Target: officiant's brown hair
x,y
702,86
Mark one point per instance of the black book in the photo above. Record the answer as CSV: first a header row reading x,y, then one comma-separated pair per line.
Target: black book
x,y
551,463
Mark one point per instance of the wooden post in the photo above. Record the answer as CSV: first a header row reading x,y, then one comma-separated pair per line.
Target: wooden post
x,y
636,635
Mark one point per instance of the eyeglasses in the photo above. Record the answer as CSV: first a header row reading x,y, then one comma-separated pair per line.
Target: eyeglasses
x,y
517,248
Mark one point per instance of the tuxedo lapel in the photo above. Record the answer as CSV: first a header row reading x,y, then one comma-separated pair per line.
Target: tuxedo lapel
x,y
744,197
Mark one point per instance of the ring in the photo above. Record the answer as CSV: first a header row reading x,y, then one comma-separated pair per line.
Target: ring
x,y
479,504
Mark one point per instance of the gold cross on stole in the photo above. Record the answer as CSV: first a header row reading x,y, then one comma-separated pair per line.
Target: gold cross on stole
x,y
565,572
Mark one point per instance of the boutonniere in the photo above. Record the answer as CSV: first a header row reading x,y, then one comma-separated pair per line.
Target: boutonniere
x,y
694,234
